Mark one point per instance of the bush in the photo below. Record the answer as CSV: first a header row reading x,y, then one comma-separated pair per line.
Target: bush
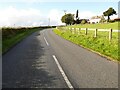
x,y
83,21
111,21
102,20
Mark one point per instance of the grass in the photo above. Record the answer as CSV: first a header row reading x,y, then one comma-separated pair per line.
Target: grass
x,y
100,44
13,39
99,25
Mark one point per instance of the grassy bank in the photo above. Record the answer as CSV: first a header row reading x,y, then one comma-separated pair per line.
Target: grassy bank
x,y
100,44
11,36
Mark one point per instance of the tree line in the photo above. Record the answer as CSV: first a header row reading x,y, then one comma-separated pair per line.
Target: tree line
x,y
71,19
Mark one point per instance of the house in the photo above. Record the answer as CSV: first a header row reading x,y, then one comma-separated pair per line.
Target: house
x,y
117,19
95,19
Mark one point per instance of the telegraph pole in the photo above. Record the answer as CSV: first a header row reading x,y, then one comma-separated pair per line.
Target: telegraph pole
x,y
65,11
48,21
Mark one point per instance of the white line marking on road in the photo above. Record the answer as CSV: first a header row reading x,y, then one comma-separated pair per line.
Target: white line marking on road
x,y
46,41
62,72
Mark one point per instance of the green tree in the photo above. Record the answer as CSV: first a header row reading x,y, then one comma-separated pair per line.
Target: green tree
x,y
109,12
68,19
102,19
77,14
63,18
83,21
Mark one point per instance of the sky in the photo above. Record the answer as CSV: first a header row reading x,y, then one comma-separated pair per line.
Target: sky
x,y
39,13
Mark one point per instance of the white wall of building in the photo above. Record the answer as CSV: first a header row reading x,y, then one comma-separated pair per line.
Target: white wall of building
x,y
94,20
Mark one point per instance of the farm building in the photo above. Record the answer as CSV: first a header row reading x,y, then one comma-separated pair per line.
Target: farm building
x,y
95,19
117,19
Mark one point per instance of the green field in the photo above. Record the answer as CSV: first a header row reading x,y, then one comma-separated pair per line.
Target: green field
x,y
115,26
99,44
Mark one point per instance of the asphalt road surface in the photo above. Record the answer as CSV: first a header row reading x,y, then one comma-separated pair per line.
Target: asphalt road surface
x,y
45,60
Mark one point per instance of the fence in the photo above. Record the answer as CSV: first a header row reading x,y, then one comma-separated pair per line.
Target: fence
x,y
77,30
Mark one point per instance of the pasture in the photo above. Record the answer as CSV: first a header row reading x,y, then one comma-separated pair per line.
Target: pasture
x,y
115,25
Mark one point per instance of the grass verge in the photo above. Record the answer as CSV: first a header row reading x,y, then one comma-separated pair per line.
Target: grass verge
x,y
100,44
8,42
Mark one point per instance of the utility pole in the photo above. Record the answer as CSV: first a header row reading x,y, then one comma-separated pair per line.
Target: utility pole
x,y
14,25
48,21
65,11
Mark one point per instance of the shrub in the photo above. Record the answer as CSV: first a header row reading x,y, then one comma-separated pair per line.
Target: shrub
x,y
102,20
111,21
83,21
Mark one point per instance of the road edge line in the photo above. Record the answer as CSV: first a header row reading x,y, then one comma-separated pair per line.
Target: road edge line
x,y
63,73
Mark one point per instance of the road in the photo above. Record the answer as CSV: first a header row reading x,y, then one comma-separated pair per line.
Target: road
x,y
45,60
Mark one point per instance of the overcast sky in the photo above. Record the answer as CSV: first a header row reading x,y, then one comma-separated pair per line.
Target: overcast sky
x,y
36,12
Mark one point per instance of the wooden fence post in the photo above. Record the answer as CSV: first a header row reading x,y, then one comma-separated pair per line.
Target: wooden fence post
x,y
72,30
86,31
75,30
79,31
95,32
110,34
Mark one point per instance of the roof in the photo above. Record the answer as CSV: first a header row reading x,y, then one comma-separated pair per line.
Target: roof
x,y
96,17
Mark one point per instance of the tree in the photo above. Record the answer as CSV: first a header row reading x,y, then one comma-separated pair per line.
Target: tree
x,y
83,21
68,19
77,21
102,19
77,14
63,18
109,12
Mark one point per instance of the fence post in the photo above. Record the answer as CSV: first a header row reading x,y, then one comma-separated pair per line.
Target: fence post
x,y
75,30
79,31
72,30
69,29
110,34
86,31
95,32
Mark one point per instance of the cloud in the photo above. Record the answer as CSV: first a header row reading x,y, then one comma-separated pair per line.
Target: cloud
x,y
55,17
12,16
86,14
23,17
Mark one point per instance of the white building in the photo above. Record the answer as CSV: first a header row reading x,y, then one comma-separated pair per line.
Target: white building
x,y
95,19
